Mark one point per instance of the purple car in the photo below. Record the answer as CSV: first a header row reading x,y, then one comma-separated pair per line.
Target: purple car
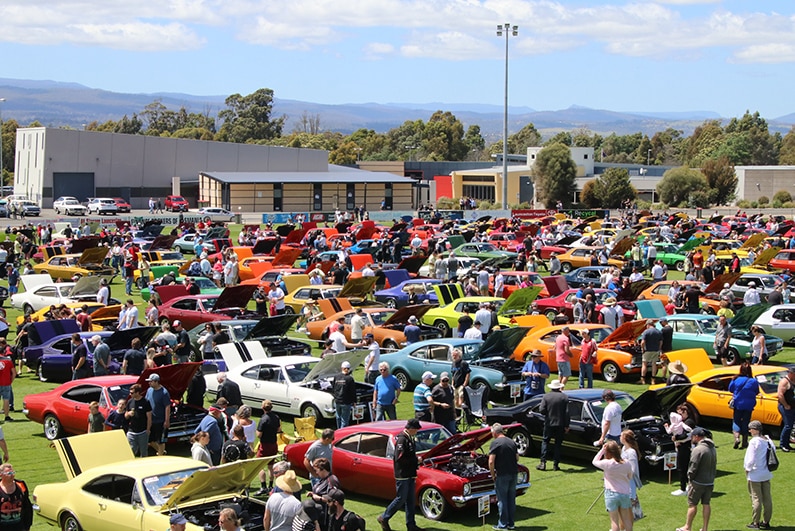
x,y
398,295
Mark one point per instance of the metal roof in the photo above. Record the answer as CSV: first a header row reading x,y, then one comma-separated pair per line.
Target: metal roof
x,y
336,176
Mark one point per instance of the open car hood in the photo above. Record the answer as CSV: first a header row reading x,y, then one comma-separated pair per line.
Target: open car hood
x,y
657,402
47,251
152,230
555,285
214,233
628,331
501,343
330,364
635,289
286,257
401,315
412,264
78,246
264,246
519,301
367,230
227,479
79,453
396,276
238,353
273,326
566,241
92,256
172,291
754,240
43,331
717,284
357,287
31,282
175,378
235,296
765,257
106,312
163,242
121,339
690,244
460,442
650,309
88,285
294,237
747,315
620,248
447,293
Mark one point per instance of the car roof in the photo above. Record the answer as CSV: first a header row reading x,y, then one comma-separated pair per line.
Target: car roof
x,y
591,394
387,427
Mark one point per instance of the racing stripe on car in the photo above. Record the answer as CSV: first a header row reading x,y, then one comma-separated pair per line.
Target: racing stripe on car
x,y
68,452
335,304
242,351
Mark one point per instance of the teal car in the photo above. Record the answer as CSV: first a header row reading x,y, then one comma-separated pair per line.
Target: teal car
x,y
206,287
484,251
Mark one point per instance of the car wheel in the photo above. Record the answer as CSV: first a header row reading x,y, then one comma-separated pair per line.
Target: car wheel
x,y
732,356
40,373
403,379
52,427
391,302
288,310
565,267
69,523
443,327
432,504
611,372
142,283
57,211
27,309
680,265
522,440
390,344
309,410
551,314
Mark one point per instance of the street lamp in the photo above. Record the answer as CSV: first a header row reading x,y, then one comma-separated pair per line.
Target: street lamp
x,y
648,158
508,30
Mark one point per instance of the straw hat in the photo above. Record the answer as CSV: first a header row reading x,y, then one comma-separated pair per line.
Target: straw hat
x,y
610,301
677,367
288,482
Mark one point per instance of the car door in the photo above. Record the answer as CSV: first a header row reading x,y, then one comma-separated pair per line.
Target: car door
x,y
783,324
685,334
43,296
72,409
263,381
109,498
362,465
187,312
713,396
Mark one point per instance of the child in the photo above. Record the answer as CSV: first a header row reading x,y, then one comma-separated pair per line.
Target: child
x,y
677,427
96,422
116,419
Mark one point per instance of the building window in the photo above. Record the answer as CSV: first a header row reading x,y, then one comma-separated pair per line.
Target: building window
x,y
317,196
277,197
585,156
388,196
481,193
350,196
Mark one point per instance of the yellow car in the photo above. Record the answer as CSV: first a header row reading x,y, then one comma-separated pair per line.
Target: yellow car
x,y
112,489
578,257
39,315
66,266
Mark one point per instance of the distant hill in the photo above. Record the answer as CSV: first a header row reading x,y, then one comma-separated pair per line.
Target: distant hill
x,y
56,103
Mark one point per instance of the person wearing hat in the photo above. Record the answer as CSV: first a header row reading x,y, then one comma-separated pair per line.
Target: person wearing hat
x,y
476,332
177,522
677,369
101,356
555,408
535,372
358,324
139,417
405,465
373,358
751,296
412,331
726,293
443,402
282,506
610,315
759,476
423,401
701,472
343,388
309,517
650,344
160,400
210,424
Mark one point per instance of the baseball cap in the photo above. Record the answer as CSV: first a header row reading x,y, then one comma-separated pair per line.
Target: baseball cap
x,y
334,494
444,375
345,365
176,322
177,518
369,336
413,424
700,432
217,407
428,374
154,377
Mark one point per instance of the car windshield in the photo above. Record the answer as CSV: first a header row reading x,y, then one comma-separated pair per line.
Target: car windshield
x,y
598,405
424,441
298,371
241,330
597,334
160,488
768,383
708,326
380,317
204,283
117,392
470,350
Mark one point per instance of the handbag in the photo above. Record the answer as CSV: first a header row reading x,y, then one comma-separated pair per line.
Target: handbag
x,y
731,403
637,511
772,458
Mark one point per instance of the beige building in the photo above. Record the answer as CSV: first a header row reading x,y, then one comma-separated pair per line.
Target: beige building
x,y
754,182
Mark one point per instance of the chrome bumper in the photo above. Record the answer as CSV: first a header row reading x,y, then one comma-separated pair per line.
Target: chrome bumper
x,y
460,501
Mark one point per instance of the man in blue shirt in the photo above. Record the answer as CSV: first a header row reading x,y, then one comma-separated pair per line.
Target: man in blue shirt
x,y
412,331
210,424
386,391
160,400
422,398
535,372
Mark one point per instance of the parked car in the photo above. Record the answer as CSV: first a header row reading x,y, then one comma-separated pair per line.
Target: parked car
x,y
25,207
134,494
176,203
102,205
401,285
122,205
216,214
581,276
779,321
764,282
42,292
453,471
194,310
69,206
644,415
90,262
186,242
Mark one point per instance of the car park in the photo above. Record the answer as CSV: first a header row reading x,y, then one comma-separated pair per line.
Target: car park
x,y
102,205
69,205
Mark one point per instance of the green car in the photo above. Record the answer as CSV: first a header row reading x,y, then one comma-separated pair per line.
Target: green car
x,y
669,253
485,251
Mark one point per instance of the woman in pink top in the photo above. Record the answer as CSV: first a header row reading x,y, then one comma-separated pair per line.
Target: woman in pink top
x,y
618,474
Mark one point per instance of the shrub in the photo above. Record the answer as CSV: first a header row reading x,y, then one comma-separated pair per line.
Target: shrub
x,y
754,204
446,203
644,205
788,204
776,203
698,199
743,203
763,200
782,196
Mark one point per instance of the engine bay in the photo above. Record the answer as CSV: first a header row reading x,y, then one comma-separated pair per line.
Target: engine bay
x,y
465,464
249,511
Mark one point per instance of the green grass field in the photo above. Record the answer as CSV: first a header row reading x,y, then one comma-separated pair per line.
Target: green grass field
x,y
556,501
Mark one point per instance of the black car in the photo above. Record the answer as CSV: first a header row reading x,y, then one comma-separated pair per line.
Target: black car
x,y
644,415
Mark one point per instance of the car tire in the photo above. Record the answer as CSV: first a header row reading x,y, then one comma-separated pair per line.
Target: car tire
x,y
565,267
309,410
27,309
432,504
522,440
443,327
390,303
611,372
680,265
288,310
52,427
69,523
40,373
390,344
550,314
732,356
403,379
57,211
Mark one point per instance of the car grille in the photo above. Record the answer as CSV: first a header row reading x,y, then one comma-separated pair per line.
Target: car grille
x,y
482,485
184,421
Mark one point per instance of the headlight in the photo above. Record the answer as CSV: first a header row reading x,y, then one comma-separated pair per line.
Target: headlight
x,y
658,449
467,489
521,477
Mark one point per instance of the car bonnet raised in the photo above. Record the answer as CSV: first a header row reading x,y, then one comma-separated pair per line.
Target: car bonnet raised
x,y
357,287
275,326
93,256
235,296
121,339
401,315
175,378
462,442
501,343
657,402
330,364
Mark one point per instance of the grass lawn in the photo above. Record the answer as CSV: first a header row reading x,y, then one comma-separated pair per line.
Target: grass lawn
x,y
556,501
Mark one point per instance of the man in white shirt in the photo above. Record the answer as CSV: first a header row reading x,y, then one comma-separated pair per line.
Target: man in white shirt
x,y
339,342
131,315
484,316
611,419
499,283
367,271
104,292
636,275
657,272
473,332
751,296
358,322
276,297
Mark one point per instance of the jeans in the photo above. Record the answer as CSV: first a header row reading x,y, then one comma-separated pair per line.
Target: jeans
x,y
505,485
383,411
139,442
128,282
788,416
551,432
343,415
405,497
586,371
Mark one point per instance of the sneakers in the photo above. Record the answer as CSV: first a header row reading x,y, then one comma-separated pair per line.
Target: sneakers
x,y
764,525
785,449
261,492
541,466
752,526
678,492
384,523
9,419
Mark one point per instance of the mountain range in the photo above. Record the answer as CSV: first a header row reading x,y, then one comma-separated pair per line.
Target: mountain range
x,y
57,104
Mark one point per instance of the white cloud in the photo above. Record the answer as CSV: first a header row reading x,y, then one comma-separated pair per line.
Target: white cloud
x,y
378,50
766,53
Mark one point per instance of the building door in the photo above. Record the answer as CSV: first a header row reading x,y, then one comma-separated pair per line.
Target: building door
x,y
79,185
525,189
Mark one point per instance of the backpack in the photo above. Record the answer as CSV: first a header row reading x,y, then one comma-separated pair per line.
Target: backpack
x,y
772,458
354,522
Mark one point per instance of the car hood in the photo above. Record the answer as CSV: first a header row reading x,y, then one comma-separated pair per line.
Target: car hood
x,y
49,251
447,293
717,284
396,276
106,312
555,285
273,326
412,264
88,285
460,442
401,315
566,241
175,378
357,287
286,257
765,257
227,479
79,453
754,240
329,365
634,289
121,339
622,247
690,244
628,331
43,331
747,315
31,282
519,301
152,230
264,246
162,243
235,296
294,236
94,255
657,402
650,309
501,343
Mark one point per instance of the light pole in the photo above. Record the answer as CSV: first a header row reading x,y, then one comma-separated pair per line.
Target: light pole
x,y
2,182
508,30
648,158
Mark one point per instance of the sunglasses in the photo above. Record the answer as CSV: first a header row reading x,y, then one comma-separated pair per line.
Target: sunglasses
x,y
445,379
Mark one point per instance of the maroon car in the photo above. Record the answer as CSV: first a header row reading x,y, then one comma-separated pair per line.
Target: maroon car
x,y
193,310
122,205
453,473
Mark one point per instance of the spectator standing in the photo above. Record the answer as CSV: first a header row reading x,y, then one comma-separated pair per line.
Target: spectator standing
x,y
630,452
465,322
282,505
555,408
554,265
461,373
101,356
134,358
319,448
412,331
759,477
650,344
210,424
475,332
268,431
423,401
340,519
617,478
139,418
611,418
160,400
16,511
231,391
96,422
744,389
504,465
103,294
84,319
786,406
682,444
483,315
80,367
759,352
358,323
701,472
751,296
386,392
198,449
666,345
344,392
182,349
499,283
535,372
339,343
372,360
116,419
563,354
276,298
588,354
405,465
723,336
443,401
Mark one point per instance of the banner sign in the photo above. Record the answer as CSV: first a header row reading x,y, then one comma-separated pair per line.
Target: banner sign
x,y
586,213
533,213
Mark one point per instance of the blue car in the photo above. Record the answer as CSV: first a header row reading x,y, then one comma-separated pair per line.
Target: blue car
x,y
397,296
581,276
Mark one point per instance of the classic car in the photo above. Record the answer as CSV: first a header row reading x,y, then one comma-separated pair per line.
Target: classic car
x,y
193,310
485,251
64,410
490,360
385,324
102,205
69,206
397,295
512,281
216,214
465,265
206,286
618,352
582,276
40,314
453,470
42,292
296,300
765,283
297,385
186,242
113,489
564,302
581,257
779,321
89,262
644,415
122,205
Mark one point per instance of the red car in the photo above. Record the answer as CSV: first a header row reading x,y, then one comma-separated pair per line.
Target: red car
x,y
122,205
176,203
193,310
64,410
453,471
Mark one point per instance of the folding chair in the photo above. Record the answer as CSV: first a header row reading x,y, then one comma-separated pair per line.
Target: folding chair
x,y
305,429
473,415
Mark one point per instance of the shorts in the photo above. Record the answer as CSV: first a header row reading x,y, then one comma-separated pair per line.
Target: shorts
x,y
158,434
564,368
5,392
615,500
699,493
267,449
721,353
459,392
651,356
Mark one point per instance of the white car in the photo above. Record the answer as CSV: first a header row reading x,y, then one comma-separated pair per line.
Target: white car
x,y
41,292
186,242
779,321
102,205
69,206
465,265
216,214
297,385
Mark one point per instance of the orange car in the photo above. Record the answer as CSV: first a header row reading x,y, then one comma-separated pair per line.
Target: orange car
x,y
577,257
659,290
386,324
618,352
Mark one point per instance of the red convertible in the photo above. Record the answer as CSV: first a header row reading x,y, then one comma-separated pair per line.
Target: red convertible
x,y
454,471
64,410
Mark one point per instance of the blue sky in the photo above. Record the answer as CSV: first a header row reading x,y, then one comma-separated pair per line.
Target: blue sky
x,y
669,55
